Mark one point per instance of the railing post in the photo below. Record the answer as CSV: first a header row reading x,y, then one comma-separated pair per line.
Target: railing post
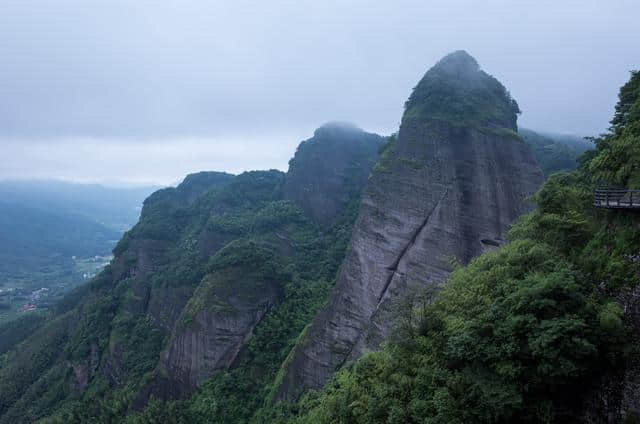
x,y
606,197
631,198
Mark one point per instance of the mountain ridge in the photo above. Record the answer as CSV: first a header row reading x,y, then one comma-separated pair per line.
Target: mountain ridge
x,y
180,302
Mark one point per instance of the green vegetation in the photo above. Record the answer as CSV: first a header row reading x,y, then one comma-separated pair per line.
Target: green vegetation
x,y
618,157
555,153
522,334
525,333
13,332
49,234
213,237
37,246
243,393
441,95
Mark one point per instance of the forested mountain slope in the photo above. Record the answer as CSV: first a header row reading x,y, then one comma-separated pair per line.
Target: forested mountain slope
x,y
446,189
218,278
554,152
545,329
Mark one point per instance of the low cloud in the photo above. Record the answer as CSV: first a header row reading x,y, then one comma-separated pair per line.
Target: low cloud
x,y
112,75
165,162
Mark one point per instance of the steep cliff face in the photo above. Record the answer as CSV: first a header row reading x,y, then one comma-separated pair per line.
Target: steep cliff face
x,y
219,318
330,169
209,264
446,189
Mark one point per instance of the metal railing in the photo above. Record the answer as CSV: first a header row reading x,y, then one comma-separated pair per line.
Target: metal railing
x,y
616,198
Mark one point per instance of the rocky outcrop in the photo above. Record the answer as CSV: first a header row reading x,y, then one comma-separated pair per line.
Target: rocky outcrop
x,y
82,371
330,169
446,190
216,323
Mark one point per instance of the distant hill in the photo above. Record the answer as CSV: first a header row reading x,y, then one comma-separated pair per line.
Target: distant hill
x,y
116,208
37,246
51,233
555,152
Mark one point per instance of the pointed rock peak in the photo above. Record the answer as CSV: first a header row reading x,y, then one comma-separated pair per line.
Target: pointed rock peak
x,y
457,91
458,62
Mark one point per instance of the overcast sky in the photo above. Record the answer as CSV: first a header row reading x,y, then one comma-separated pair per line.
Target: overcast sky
x,y
147,91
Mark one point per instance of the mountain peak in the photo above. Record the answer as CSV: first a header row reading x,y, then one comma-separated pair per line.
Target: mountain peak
x,y
457,91
329,168
457,62
338,127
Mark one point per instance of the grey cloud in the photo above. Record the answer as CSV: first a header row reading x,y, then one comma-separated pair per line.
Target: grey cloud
x,y
249,70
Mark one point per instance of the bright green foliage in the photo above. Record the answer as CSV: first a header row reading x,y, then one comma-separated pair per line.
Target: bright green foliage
x,y
512,337
562,219
617,161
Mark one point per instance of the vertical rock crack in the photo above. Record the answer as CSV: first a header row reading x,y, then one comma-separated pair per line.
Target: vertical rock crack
x,y
394,268
403,252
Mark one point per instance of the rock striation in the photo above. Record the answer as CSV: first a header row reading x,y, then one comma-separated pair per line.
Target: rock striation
x,y
208,339
445,189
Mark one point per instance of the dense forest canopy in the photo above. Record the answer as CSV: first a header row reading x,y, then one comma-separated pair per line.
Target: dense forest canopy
x,y
618,157
457,91
554,152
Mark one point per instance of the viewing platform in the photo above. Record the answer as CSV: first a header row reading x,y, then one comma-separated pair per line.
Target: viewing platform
x,y
614,198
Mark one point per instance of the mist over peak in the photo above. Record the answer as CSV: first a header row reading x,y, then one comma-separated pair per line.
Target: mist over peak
x,y
245,77
457,62
455,89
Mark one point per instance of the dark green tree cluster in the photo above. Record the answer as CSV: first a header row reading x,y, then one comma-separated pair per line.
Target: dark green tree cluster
x,y
617,161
